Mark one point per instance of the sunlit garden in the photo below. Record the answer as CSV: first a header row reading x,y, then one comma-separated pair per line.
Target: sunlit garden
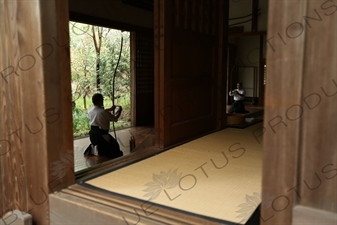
x,y
100,62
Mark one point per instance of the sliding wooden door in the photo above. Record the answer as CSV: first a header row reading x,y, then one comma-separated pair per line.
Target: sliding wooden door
x,y
143,72
190,68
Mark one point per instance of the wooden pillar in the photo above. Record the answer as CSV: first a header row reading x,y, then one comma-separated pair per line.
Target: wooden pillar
x,y
36,141
222,65
261,72
300,124
161,79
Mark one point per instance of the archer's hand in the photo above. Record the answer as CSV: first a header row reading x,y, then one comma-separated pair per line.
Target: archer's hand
x,y
119,111
112,108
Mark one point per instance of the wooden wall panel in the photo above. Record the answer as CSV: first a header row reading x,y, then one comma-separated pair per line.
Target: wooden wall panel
x,y
189,71
191,99
36,124
193,55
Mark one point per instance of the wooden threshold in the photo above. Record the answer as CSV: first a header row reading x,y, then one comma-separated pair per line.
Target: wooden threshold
x,y
116,209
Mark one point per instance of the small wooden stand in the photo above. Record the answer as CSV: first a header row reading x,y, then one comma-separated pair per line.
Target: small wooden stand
x,y
234,119
132,143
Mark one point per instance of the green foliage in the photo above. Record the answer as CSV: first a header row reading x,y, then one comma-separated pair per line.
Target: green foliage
x,y
84,60
108,63
81,121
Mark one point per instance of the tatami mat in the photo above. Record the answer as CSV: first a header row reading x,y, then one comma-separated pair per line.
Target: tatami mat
x,y
218,176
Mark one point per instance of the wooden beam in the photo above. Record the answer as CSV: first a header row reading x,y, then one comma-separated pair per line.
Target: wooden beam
x,y
83,18
101,207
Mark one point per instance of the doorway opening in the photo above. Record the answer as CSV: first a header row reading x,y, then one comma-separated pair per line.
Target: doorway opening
x,y
100,63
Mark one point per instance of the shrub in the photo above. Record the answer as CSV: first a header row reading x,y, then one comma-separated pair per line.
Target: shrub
x,y
81,123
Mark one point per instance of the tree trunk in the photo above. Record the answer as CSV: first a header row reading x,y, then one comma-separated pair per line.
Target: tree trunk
x,y
85,101
98,78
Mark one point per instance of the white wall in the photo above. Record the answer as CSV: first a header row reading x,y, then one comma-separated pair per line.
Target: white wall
x,y
248,55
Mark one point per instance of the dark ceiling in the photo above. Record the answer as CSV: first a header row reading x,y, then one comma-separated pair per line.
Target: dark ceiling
x,y
144,4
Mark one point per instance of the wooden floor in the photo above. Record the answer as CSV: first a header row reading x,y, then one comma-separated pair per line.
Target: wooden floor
x,y
144,137
251,108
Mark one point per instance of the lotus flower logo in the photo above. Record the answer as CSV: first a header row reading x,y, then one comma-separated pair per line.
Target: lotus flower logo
x,y
61,167
252,202
162,181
